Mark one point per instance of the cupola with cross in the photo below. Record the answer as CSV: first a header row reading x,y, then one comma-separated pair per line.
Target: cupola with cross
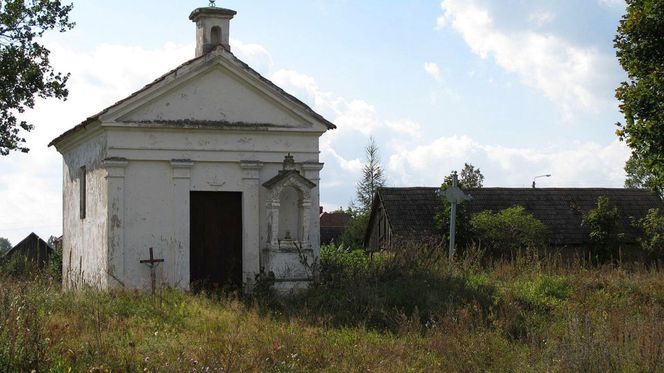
x,y
212,28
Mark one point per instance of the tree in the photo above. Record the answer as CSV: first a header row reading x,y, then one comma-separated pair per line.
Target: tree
x,y
372,177
602,221
4,245
639,177
353,235
508,231
471,177
25,69
639,46
652,237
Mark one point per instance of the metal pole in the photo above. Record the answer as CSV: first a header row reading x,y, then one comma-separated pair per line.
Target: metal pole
x,y
452,231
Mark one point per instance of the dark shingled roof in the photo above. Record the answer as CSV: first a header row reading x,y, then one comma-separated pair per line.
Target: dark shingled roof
x,y
332,226
334,219
412,210
32,248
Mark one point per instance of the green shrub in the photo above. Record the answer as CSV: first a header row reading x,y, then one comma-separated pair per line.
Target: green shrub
x,y
18,266
353,235
507,231
542,291
652,239
337,257
603,224
54,265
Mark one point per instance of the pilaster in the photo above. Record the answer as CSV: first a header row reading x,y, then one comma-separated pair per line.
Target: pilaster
x,y
115,182
250,220
311,170
178,268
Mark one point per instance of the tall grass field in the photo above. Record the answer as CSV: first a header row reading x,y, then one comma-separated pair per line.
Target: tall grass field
x,y
369,314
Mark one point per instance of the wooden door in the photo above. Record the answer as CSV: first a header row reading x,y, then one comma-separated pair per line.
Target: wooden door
x,y
215,240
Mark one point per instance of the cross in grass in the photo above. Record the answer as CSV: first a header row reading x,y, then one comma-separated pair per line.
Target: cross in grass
x,y
152,262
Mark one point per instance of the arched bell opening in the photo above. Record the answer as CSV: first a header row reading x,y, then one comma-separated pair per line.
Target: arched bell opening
x,y
215,36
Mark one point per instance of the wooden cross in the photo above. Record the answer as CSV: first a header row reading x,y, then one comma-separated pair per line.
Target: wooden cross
x,y
152,262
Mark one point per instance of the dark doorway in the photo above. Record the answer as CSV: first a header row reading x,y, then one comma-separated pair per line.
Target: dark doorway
x,y
215,240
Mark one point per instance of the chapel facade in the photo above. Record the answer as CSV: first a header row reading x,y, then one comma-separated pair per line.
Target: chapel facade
x,y
211,165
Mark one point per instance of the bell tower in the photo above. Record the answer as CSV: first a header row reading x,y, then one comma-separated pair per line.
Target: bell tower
x,y
212,28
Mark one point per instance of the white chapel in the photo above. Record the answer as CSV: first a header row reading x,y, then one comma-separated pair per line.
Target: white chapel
x,y
211,169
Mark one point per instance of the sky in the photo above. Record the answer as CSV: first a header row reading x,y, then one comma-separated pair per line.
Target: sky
x,y
518,88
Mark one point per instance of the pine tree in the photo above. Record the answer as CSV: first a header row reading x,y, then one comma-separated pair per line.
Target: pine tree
x,y
372,177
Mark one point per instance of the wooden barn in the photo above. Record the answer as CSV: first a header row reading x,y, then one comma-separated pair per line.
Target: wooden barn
x,y
407,215
32,249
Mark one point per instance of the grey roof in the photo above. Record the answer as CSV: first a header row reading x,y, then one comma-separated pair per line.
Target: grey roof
x,y
32,247
411,210
246,67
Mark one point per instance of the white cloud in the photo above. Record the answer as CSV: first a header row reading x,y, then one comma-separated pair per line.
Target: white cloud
x,y
406,127
441,22
575,165
354,166
574,77
350,115
432,69
255,55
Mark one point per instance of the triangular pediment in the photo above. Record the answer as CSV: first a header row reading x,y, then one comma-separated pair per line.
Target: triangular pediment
x,y
217,94
216,89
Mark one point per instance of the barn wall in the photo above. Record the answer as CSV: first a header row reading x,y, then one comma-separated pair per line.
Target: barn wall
x,y
379,237
84,240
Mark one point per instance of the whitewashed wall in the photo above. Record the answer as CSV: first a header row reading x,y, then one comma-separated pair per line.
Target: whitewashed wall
x,y
84,241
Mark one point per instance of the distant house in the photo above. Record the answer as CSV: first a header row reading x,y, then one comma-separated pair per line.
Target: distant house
x,y
332,225
402,215
32,249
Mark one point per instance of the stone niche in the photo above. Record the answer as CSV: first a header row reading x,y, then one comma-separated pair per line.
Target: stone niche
x,y
288,253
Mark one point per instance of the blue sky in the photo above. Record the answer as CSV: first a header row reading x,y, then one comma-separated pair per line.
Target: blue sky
x,y
518,88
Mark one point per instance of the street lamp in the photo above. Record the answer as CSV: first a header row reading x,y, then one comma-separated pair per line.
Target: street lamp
x,y
537,177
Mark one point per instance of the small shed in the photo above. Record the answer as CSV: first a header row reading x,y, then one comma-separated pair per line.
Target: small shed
x,y
401,215
332,225
32,249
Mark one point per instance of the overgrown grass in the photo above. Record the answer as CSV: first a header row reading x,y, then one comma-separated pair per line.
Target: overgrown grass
x,y
378,314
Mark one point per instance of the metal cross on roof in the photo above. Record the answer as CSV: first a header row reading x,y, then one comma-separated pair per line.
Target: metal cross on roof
x,y
212,5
